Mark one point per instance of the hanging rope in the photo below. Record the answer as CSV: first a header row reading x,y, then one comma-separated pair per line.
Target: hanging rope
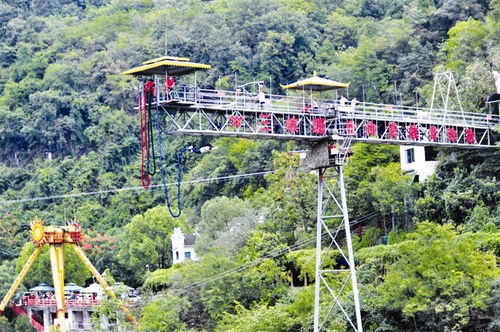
x,y
163,172
148,165
151,147
143,116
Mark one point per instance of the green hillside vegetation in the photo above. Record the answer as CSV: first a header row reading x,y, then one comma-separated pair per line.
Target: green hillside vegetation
x,y
62,96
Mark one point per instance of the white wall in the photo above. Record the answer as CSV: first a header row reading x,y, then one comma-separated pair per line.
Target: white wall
x,y
194,257
179,249
421,167
177,245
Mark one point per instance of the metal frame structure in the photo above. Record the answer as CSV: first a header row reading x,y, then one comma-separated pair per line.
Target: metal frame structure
x,y
333,218
56,237
445,84
198,112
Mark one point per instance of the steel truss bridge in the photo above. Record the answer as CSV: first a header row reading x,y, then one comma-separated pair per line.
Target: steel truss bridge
x,y
194,111
329,129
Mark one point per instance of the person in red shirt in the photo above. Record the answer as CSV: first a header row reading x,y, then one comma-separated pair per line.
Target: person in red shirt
x,y
306,109
169,85
149,90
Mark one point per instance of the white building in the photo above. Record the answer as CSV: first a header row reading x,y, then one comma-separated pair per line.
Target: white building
x,y
419,161
183,246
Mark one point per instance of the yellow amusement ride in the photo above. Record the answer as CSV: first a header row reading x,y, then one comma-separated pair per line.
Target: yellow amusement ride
x,y
55,237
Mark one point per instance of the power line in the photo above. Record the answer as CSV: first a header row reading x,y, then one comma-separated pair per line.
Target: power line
x,y
272,254
99,192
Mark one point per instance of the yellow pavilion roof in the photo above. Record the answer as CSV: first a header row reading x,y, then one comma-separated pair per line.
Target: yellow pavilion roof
x,y
316,83
167,65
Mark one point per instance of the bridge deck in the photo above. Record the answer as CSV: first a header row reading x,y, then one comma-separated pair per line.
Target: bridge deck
x,y
229,113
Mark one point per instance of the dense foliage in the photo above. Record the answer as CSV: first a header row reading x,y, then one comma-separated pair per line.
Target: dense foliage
x,y
67,126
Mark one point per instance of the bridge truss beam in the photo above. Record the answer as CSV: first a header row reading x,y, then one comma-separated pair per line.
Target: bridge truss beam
x,y
382,124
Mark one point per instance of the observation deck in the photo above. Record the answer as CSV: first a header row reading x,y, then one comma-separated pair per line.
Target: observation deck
x,y
195,111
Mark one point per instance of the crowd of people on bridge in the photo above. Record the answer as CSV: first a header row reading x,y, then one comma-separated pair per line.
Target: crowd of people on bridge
x,y
260,98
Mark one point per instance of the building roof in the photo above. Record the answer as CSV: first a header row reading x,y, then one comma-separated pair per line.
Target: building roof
x,y
167,66
189,240
316,83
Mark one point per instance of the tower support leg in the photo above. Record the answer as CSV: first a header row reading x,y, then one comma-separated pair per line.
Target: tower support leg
x,y
332,223
352,266
317,278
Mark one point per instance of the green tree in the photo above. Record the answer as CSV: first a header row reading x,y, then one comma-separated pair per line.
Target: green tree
x,y
390,188
163,314
145,242
22,323
225,223
7,276
290,198
74,269
293,313
495,306
260,318
482,219
12,236
101,249
436,278
466,40
360,176
5,325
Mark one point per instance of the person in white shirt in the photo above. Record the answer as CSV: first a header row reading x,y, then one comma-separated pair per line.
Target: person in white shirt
x,y
342,100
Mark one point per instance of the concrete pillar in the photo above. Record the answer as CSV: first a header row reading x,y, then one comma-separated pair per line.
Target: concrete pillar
x,y
71,320
104,321
46,319
86,317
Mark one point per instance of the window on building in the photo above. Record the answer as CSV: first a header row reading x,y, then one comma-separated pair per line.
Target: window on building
x,y
410,156
176,255
187,255
430,153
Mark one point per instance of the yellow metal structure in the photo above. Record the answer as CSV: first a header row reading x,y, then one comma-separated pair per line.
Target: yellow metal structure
x,y
57,263
101,280
56,237
19,278
37,232
316,83
172,66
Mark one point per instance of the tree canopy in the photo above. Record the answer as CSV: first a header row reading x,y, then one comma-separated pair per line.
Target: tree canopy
x,y
70,149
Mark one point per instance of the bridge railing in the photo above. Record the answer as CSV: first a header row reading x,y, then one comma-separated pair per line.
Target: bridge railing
x,y
68,302
425,115
224,99
20,311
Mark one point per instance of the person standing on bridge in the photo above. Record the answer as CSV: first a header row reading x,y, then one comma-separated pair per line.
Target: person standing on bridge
x,y
315,106
261,96
342,100
169,85
354,101
149,90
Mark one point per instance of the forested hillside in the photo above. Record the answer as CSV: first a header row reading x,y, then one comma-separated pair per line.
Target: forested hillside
x,y
67,126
